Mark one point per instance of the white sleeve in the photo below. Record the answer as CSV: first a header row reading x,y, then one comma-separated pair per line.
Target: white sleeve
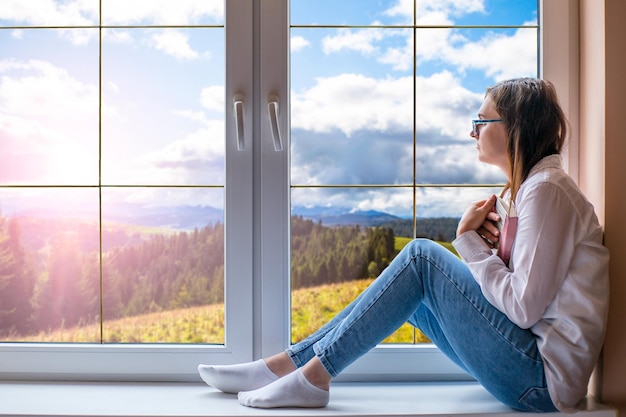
x,y
544,246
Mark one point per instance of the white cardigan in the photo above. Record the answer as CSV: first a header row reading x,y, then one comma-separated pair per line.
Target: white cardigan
x,y
557,284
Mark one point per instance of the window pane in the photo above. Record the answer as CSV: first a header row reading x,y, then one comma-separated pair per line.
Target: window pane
x,y
448,203
163,107
163,265
49,265
450,89
49,102
126,106
390,106
341,239
349,109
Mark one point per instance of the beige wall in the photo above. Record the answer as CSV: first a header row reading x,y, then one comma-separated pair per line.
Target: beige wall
x,y
591,106
603,164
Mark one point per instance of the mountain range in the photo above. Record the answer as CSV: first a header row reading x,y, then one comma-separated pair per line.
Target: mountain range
x,y
189,217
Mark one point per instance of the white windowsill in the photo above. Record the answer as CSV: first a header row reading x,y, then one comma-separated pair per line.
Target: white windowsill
x,y
187,399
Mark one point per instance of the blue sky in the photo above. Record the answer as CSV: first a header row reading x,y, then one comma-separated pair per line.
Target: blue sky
x,y
351,102
352,97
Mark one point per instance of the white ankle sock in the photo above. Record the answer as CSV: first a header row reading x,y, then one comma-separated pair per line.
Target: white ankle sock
x,y
293,390
240,377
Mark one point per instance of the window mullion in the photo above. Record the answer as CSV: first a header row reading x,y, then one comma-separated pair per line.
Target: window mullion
x,y
274,211
239,155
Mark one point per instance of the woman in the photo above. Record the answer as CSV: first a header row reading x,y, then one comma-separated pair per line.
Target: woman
x,y
541,320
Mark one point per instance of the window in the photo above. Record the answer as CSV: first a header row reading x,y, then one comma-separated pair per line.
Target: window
x,y
113,189
191,108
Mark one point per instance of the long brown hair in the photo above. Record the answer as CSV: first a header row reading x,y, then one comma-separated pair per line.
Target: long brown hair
x,y
534,122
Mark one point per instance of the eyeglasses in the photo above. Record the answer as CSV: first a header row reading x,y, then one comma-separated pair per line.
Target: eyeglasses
x,y
477,122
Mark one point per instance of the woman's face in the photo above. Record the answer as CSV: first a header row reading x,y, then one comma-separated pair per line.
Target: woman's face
x,y
491,138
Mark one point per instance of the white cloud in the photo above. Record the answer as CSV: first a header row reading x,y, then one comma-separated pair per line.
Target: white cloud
x,y
119,36
112,87
180,12
400,58
445,106
353,102
350,102
49,124
51,12
196,116
114,12
174,43
499,56
298,43
197,158
55,13
351,129
212,98
53,89
434,11
356,40
394,202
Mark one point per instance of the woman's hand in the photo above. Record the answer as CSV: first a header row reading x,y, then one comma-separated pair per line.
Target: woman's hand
x,y
480,217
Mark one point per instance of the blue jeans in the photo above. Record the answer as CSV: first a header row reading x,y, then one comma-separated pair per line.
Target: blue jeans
x,y
433,290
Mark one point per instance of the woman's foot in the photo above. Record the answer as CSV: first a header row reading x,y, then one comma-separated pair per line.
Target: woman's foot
x,y
246,376
293,390
306,387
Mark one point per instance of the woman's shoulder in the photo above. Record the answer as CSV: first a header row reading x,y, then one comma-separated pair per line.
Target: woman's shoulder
x,y
556,190
549,173
550,165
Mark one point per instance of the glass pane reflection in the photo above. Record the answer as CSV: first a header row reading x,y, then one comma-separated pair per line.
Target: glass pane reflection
x,y
49,265
163,265
49,101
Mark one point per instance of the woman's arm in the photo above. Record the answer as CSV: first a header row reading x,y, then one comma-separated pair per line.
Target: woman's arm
x,y
544,245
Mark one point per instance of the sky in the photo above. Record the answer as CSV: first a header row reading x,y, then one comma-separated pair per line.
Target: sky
x,y
353,91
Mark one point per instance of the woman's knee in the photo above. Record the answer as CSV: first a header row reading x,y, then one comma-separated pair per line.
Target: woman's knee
x,y
423,246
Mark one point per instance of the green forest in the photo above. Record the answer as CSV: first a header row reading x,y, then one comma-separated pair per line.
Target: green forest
x,y
53,280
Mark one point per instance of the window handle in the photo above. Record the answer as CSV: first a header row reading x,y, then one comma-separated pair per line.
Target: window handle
x,y
238,108
273,113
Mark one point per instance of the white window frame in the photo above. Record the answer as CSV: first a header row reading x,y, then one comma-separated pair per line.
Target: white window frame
x,y
257,295
155,362
560,63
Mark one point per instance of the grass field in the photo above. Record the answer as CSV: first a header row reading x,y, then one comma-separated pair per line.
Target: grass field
x,y
312,308
401,242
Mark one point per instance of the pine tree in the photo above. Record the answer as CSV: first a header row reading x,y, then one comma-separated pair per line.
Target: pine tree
x,y
17,281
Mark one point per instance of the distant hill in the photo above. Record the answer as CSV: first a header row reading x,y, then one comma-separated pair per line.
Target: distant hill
x,y
342,217
180,217
438,228
192,217
171,217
